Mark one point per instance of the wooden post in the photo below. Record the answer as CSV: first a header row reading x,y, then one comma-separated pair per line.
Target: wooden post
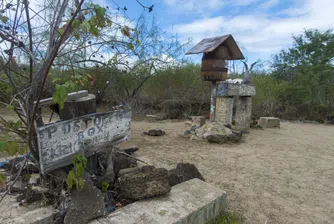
x,y
79,107
213,101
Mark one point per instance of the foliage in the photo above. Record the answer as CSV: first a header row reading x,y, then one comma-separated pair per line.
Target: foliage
x,y
227,218
51,39
2,178
308,67
269,96
105,186
8,142
11,147
74,177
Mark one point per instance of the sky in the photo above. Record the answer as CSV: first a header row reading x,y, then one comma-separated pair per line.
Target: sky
x,y
261,27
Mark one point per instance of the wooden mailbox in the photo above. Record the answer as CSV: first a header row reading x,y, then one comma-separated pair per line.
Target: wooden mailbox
x,y
216,51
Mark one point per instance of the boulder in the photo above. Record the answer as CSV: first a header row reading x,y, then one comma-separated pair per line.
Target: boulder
x,y
235,136
183,172
86,204
215,132
187,133
28,166
131,150
106,168
122,162
212,128
37,193
34,193
144,182
155,132
194,127
218,139
198,120
17,187
122,172
34,179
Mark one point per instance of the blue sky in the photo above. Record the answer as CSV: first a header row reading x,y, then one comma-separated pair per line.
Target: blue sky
x,y
261,27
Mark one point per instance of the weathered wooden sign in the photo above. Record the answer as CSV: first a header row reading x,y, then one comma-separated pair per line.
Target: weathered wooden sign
x,y
58,142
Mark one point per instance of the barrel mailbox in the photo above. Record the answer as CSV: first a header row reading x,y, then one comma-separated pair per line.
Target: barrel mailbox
x,y
216,53
213,69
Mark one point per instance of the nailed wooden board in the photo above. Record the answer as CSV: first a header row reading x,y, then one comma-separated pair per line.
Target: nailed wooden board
x,y
59,142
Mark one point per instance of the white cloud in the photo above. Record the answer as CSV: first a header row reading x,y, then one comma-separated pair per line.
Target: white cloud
x,y
195,6
243,2
260,33
268,4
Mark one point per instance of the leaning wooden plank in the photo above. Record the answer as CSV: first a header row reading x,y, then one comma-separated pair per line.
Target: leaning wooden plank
x,y
71,96
59,142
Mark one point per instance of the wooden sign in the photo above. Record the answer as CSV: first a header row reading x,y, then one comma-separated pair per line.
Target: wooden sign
x,y
59,142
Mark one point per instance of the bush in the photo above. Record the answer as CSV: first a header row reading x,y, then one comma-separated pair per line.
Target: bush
x,y
270,95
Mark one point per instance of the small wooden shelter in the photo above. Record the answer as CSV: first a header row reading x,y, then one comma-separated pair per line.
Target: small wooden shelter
x,y
216,52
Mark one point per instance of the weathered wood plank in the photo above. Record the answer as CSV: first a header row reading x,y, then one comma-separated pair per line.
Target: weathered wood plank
x,y
71,96
59,142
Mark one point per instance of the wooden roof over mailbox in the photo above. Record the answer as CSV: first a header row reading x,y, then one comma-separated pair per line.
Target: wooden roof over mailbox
x,y
209,45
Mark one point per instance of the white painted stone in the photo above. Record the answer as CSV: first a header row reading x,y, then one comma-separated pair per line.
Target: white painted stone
x,y
193,201
58,142
235,89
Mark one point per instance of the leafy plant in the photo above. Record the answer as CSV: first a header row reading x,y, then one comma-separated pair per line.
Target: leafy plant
x,y
227,218
11,147
2,179
74,177
105,186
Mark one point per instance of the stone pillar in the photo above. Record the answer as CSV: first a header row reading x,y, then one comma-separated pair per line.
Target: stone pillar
x,y
243,113
213,101
224,110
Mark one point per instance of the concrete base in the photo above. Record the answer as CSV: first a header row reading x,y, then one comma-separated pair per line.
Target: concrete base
x,y
193,201
269,122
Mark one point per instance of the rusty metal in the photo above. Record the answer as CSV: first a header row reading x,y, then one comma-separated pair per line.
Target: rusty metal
x,y
209,45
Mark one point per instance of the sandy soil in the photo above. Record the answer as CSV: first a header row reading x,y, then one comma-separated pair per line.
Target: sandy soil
x,y
274,176
281,175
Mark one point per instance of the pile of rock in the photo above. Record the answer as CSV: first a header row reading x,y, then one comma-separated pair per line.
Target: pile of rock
x,y
214,132
116,182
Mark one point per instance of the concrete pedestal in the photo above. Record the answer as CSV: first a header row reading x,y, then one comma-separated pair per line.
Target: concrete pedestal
x,y
224,110
240,95
243,113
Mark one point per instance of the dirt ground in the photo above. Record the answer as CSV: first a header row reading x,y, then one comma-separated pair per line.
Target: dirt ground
x,y
281,175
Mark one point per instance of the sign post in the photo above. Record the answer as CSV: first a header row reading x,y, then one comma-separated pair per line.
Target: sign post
x,y
59,142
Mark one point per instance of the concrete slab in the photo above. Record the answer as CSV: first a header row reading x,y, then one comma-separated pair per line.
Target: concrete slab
x,y
42,215
270,122
193,201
